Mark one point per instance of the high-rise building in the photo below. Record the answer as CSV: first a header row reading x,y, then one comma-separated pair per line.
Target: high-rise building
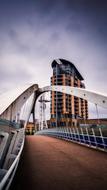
x,y
66,110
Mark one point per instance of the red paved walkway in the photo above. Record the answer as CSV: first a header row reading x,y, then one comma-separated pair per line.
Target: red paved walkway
x,y
51,164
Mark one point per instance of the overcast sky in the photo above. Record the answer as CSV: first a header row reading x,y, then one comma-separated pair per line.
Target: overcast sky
x,y
34,32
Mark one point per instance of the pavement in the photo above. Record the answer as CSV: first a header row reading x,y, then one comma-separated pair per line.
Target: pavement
x,y
53,164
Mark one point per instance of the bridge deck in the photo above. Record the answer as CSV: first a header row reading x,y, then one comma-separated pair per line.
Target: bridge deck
x,y
49,163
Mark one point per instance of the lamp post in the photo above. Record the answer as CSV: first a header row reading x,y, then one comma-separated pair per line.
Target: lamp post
x,y
56,100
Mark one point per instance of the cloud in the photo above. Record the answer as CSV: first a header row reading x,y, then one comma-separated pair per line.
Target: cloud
x,y
33,33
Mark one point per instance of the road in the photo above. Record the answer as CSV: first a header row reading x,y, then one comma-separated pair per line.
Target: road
x,y
54,164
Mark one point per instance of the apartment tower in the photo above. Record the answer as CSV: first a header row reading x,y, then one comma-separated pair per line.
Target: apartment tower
x,y
66,110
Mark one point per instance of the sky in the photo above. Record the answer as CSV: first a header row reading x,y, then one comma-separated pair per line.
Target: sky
x,y
34,32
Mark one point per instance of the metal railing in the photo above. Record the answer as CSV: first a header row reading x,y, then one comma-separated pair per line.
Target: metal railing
x,y
4,138
4,122
13,160
94,138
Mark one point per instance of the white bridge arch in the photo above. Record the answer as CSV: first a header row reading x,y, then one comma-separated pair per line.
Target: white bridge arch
x,y
91,96
11,102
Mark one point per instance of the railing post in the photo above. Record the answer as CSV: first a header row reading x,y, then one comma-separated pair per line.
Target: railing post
x,y
78,134
71,134
61,132
82,134
74,134
94,136
101,135
64,133
67,133
88,136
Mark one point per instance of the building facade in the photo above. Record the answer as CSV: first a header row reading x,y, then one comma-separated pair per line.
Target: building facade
x,y
30,128
66,110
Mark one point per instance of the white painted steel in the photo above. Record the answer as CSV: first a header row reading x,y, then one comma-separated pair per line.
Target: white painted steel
x,y
15,98
5,137
13,166
91,96
7,98
11,103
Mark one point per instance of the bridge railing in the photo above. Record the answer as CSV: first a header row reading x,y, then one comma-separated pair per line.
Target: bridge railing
x,y
4,139
94,138
9,167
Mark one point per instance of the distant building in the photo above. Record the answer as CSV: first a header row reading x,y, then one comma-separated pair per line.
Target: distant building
x,y
30,128
66,109
102,122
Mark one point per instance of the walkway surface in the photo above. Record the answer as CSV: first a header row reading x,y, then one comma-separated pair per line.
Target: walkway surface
x,y
52,164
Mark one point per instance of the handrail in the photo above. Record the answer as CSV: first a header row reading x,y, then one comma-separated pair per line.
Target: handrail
x,y
12,167
73,135
3,145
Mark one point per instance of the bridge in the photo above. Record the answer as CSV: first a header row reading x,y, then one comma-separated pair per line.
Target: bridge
x,y
57,158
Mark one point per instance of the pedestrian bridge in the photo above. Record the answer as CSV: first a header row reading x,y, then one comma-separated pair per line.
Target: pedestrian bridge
x,y
47,159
